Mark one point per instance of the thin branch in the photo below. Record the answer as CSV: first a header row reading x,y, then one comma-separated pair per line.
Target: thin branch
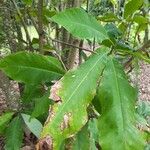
x,y
7,8
40,25
80,54
33,21
59,58
145,46
71,45
23,23
128,63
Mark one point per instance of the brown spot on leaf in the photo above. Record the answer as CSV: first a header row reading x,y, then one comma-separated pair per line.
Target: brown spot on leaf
x,y
53,92
65,122
45,144
50,115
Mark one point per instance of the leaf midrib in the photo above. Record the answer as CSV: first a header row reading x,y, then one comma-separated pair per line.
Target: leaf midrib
x,y
119,94
35,68
66,102
90,28
13,135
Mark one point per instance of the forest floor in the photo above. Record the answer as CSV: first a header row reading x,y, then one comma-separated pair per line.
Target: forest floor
x,y
142,80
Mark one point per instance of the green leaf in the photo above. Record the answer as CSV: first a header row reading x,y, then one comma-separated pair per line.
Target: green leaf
x,y
82,140
143,108
97,104
41,105
122,45
94,134
31,92
33,124
112,30
27,2
131,7
137,54
76,90
117,121
108,17
123,26
142,27
92,126
86,137
14,135
4,119
140,19
81,24
49,13
31,68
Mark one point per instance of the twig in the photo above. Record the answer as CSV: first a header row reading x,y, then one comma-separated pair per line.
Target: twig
x,y
33,21
94,44
145,46
23,23
80,52
40,25
59,58
81,48
128,63
7,8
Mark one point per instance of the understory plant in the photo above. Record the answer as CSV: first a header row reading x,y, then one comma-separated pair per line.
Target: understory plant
x,y
90,107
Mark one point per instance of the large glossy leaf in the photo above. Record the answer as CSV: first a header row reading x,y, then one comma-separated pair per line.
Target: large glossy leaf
x,y
33,124
81,24
4,119
117,122
76,90
131,7
14,135
31,68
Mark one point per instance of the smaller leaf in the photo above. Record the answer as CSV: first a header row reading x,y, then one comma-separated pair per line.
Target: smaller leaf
x,y
27,2
123,26
140,19
33,124
86,137
4,119
94,133
108,17
49,13
92,127
112,30
14,135
35,43
143,108
131,7
82,140
41,105
97,104
123,46
142,27
31,92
